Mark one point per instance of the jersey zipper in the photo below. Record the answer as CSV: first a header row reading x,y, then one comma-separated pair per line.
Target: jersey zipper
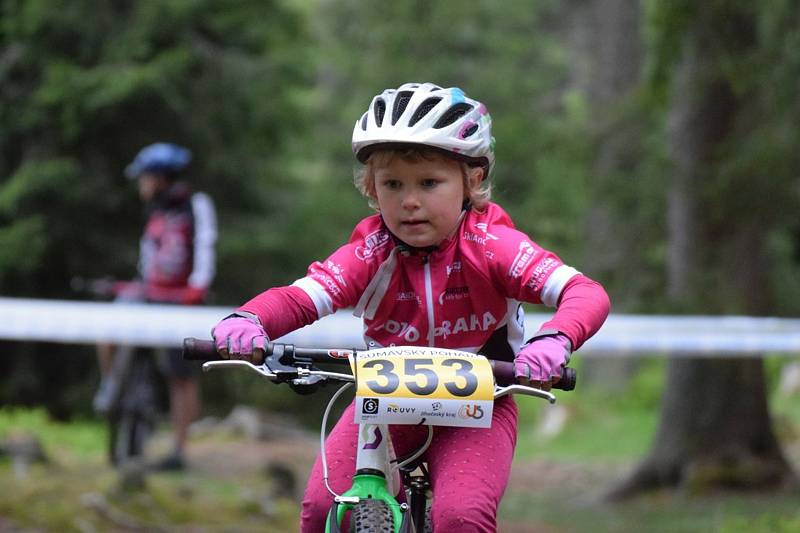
x,y
429,299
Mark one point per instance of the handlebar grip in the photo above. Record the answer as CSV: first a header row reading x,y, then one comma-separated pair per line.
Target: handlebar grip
x,y
199,350
569,378
505,375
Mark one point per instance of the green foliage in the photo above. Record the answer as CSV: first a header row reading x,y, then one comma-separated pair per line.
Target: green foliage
x,y
26,234
30,237
86,84
747,188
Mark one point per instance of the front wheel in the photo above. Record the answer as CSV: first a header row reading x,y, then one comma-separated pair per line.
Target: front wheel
x,y
132,419
371,516
127,437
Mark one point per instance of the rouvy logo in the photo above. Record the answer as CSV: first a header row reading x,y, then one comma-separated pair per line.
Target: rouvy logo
x,y
394,408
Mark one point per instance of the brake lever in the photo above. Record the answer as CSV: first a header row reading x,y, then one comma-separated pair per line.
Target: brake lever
x,y
261,370
499,392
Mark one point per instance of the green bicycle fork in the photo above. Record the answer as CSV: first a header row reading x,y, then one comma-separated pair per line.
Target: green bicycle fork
x,y
368,486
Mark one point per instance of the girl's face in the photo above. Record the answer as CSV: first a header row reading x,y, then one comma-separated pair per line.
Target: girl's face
x,y
420,200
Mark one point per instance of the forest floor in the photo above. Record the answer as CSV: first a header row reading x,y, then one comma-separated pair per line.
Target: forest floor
x,y
237,482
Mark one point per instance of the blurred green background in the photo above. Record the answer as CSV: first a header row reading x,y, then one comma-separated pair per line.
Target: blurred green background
x,y
651,144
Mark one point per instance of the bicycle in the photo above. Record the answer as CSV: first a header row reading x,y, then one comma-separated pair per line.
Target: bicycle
x,y
467,383
128,394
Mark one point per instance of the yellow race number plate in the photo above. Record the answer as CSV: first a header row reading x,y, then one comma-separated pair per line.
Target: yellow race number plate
x,y
412,385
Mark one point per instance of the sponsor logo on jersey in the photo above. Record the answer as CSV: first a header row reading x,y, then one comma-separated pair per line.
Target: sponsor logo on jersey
x,y
408,296
463,324
453,293
483,226
328,282
403,330
524,256
474,237
337,271
454,267
372,243
541,272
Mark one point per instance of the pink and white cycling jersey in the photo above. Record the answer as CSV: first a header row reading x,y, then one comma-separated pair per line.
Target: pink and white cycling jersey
x,y
465,294
176,250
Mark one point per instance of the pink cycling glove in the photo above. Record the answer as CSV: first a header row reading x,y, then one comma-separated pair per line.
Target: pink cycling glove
x,y
239,334
542,359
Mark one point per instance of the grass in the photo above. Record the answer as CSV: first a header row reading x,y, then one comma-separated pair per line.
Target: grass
x,y
78,491
602,424
658,513
87,497
85,438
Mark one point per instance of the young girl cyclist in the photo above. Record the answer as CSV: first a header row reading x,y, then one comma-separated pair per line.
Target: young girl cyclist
x,y
446,263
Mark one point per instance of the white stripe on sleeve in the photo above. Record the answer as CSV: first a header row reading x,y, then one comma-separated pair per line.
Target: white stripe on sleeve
x,y
205,237
320,297
555,284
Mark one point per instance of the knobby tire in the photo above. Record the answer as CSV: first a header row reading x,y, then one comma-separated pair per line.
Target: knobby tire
x,y
371,516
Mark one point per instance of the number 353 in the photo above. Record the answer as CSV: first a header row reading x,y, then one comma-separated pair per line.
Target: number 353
x,y
421,376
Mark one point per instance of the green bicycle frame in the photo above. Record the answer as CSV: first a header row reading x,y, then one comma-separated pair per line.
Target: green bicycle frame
x,y
373,468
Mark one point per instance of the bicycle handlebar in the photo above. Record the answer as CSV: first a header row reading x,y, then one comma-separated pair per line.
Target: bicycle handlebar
x,y
204,350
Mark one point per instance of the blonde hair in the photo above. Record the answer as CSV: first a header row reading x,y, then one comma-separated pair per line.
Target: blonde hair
x,y
478,194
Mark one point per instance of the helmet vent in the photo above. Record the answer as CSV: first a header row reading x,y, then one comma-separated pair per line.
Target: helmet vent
x,y
380,110
423,109
364,121
400,104
451,115
469,131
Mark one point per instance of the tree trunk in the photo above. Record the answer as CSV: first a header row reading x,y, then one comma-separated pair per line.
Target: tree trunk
x,y
715,429
605,47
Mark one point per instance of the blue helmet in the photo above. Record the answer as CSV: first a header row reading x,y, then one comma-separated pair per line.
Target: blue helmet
x,y
159,157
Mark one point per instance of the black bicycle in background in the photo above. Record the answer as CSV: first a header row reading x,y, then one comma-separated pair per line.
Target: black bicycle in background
x,y
128,395
128,399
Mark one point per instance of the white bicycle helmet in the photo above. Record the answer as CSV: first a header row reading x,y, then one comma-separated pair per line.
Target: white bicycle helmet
x,y
424,113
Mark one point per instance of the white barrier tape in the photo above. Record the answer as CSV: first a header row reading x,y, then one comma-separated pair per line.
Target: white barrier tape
x,y
166,325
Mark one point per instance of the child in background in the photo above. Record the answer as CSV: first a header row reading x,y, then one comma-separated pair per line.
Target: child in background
x,y
444,261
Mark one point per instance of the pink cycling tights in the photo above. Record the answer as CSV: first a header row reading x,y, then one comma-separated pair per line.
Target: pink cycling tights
x,y
469,470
